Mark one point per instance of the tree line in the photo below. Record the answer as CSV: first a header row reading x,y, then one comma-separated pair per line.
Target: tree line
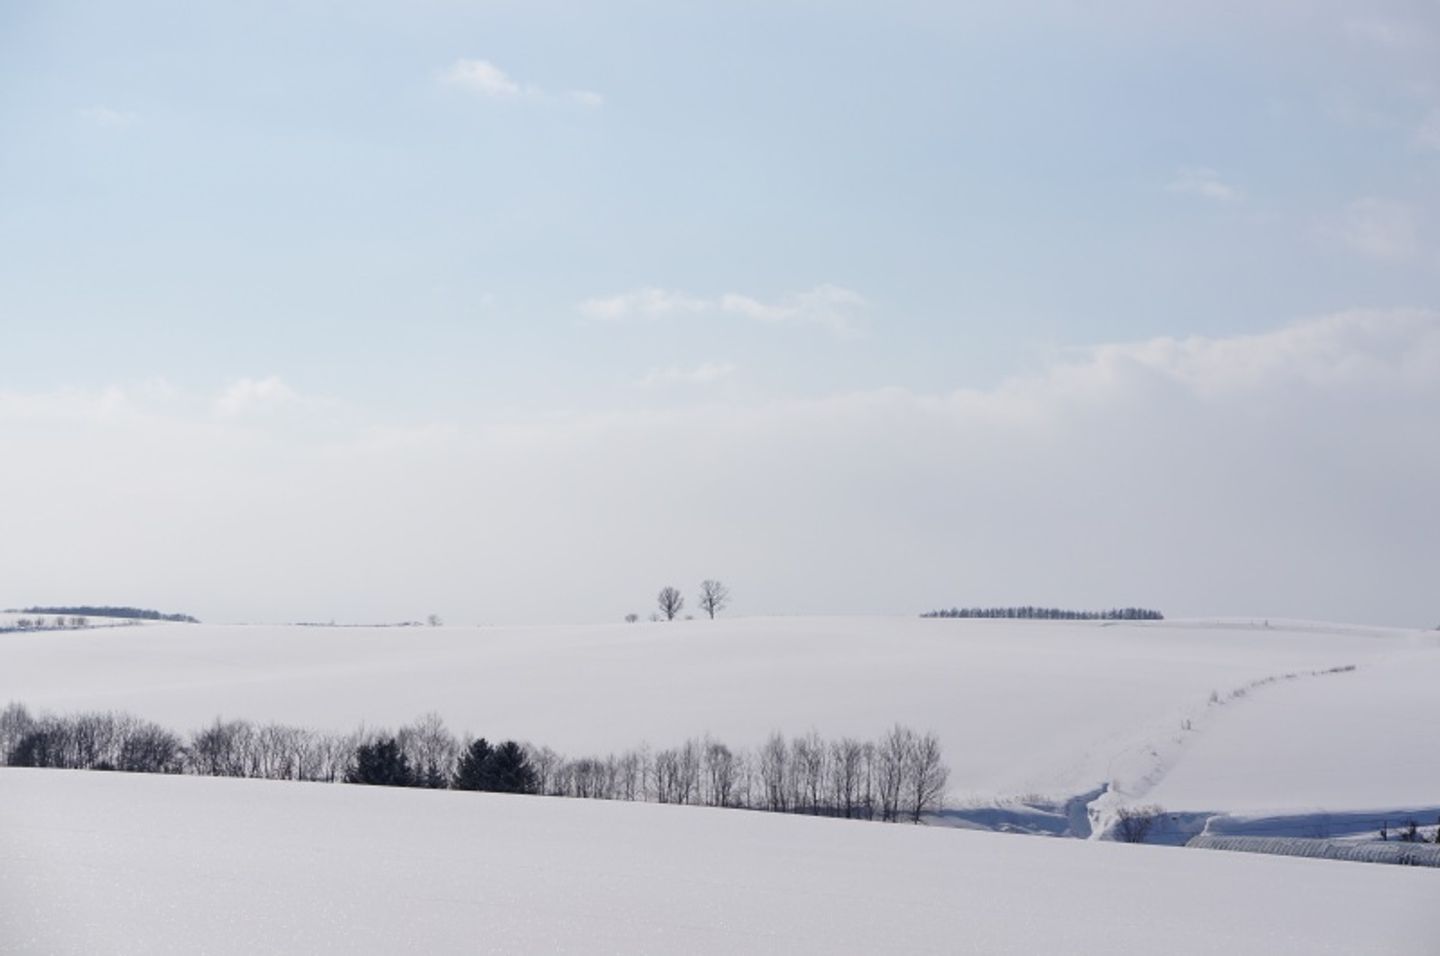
x,y
899,777
135,613
40,623
1029,612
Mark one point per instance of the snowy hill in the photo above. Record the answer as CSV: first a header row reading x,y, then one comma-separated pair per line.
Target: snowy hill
x,y
121,864
1204,716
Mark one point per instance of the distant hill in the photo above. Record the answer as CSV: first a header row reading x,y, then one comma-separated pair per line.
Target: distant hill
x,y
136,613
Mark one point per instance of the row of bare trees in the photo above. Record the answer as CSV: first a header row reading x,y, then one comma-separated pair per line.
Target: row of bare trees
x,y
106,740
59,622
88,741
899,777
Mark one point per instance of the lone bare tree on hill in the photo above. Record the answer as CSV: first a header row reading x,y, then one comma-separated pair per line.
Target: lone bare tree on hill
x,y
713,597
670,601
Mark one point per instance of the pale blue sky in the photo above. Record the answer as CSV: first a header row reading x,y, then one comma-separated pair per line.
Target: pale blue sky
x,y
461,215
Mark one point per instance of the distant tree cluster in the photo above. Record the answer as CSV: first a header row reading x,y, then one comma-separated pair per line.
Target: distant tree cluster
x,y
899,777
1050,613
135,613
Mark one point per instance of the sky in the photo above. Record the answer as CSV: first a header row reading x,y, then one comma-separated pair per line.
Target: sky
x,y
515,312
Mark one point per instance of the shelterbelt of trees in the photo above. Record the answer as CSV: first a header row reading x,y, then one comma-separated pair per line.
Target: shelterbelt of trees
x,y
899,777
1030,612
134,613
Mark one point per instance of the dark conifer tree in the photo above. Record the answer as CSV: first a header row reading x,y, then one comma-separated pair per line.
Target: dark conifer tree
x,y
381,764
511,769
474,771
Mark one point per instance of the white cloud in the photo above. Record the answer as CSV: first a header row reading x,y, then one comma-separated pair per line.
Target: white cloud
x,y
482,78
707,373
1378,229
649,303
829,306
108,118
1348,349
250,396
1202,181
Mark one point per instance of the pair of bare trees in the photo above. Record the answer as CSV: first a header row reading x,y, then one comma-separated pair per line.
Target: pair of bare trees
x,y
714,598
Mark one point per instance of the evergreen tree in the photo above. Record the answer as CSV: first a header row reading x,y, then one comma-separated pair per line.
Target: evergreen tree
x,y
474,771
511,770
381,764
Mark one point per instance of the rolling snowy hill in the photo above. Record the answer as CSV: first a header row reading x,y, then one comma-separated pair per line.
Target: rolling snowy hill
x,y
1203,716
122,864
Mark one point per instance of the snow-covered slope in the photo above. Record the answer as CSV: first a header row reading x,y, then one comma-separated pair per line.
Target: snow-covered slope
x,y
117,864
1197,715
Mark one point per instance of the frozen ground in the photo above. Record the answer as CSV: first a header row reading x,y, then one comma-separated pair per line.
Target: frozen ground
x,y
119,864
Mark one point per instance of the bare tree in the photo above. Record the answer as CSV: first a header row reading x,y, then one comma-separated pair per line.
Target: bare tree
x,y
667,776
774,773
630,776
808,765
722,770
149,748
925,777
431,749
847,776
670,601
893,760
15,723
690,758
714,596
547,765
631,618
222,750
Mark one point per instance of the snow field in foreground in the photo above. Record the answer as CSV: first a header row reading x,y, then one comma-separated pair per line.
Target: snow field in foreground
x,y
118,863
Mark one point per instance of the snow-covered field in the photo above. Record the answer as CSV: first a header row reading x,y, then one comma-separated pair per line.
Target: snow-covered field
x,y
1243,727
118,863
1202,716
